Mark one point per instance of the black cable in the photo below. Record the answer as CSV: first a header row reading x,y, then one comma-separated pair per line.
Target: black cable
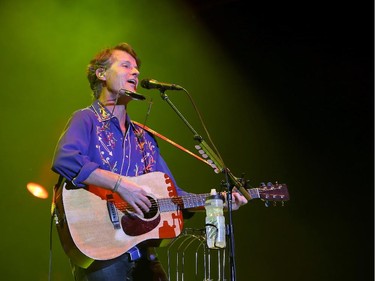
x,y
230,229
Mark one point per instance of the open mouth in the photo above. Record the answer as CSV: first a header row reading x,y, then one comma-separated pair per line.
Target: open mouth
x,y
132,81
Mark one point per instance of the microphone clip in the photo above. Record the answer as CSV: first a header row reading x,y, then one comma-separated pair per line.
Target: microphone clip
x,y
133,95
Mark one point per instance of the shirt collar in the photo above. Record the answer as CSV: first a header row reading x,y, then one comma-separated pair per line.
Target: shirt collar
x,y
101,111
104,114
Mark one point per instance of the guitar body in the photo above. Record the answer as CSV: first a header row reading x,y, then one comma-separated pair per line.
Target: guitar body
x,y
87,232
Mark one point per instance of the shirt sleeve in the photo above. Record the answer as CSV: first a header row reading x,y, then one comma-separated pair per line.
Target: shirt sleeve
x,y
71,159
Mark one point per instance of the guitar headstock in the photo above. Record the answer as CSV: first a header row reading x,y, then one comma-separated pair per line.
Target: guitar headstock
x,y
273,192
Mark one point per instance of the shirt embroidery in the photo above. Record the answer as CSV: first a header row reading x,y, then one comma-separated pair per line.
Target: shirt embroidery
x,y
112,146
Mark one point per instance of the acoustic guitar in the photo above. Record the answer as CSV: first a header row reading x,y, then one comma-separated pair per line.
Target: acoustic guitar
x,y
96,224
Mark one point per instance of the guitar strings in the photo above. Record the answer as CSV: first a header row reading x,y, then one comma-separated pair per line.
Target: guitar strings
x,y
173,203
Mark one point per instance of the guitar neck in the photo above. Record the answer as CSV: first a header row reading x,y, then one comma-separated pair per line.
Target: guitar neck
x,y
182,202
191,201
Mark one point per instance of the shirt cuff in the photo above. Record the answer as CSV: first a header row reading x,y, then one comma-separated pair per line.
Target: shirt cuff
x,y
84,173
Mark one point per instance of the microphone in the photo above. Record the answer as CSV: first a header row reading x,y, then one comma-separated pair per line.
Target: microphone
x,y
153,84
133,95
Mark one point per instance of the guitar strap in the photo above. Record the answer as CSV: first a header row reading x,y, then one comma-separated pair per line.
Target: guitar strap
x,y
144,127
54,191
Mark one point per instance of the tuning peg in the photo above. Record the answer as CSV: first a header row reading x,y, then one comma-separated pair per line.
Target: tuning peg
x,y
282,203
267,203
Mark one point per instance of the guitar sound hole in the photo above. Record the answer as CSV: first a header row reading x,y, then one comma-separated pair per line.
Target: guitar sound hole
x,y
153,210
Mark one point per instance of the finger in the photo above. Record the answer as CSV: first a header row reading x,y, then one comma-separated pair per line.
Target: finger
x,y
137,210
144,205
240,198
147,201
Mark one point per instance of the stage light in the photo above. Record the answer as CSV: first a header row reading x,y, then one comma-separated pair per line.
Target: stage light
x,y
37,190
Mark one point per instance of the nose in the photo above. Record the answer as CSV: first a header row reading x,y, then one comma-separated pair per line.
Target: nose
x,y
135,72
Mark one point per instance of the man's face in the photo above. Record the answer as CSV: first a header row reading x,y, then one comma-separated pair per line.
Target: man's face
x,y
123,73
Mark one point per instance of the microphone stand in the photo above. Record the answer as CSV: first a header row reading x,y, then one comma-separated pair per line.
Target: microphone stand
x,y
231,180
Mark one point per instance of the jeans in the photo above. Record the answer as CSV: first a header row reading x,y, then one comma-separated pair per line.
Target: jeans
x,y
122,269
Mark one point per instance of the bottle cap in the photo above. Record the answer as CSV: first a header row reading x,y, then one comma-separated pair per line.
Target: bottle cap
x,y
215,195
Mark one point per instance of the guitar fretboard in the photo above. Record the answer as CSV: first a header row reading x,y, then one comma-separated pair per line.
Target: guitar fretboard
x,y
192,201
182,202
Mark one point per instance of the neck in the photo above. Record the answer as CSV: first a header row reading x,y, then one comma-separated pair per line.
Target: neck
x,y
116,106
119,111
109,98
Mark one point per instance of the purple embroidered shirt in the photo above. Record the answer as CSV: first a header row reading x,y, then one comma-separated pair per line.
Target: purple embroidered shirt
x,y
93,139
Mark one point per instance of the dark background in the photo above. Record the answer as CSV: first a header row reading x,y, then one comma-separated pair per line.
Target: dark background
x,y
313,63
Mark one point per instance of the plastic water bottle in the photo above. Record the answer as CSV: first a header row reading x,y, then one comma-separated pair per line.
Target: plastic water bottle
x,y
215,221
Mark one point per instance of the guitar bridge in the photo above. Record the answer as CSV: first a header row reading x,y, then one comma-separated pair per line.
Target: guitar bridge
x,y
112,211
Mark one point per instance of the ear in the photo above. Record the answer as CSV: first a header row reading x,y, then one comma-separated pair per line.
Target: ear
x,y
100,73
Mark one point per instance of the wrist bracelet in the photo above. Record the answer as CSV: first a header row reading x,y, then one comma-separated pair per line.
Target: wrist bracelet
x,y
117,184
